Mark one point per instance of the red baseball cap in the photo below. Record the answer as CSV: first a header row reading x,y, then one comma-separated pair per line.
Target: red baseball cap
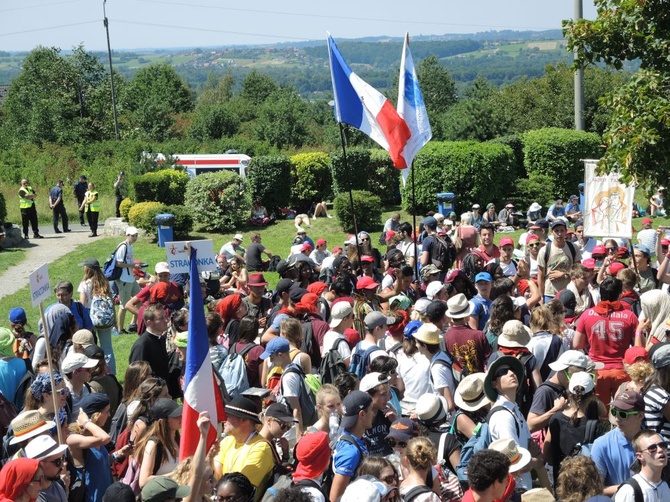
x,y
366,282
647,221
589,263
634,354
616,267
366,258
599,250
532,238
506,241
306,247
321,242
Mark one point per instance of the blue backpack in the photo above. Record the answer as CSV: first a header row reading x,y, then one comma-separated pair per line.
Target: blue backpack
x,y
109,268
480,440
234,371
360,360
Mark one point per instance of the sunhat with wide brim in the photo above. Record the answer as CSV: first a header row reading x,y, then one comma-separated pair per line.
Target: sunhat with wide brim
x,y
519,457
510,361
469,394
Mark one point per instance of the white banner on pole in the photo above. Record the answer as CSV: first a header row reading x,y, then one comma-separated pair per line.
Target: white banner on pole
x,y
40,287
178,256
608,204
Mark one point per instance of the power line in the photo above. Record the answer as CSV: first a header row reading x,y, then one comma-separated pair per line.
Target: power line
x,y
345,18
24,7
48,28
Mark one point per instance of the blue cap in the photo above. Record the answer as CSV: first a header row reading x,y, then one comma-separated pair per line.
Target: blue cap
x,y
644,249
17,315
277,345
411,328
430,222
483,276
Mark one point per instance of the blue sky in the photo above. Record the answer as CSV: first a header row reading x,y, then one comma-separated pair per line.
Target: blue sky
x,y
180,23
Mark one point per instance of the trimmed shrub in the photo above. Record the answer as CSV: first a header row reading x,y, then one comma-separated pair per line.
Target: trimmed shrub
x,y
124,208
268,181
368,208
383,178
474,172
142,215
358,161
516,144
167,186
311,179
219,202
556,153
536,188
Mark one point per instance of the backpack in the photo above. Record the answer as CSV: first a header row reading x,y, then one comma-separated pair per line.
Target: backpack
x,y
332,363
119,423
109,268
360,360
635,305
393,349
7,414
442,252
234,371
547,252
306,397
309,343
275,373
442,359
102,312
272,264
415,491
585,446
637,490
480,440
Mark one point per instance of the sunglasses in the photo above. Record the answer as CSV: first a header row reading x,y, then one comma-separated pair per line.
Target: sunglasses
x,y
58,462
534,245
568,375
653,448
611,250
282,425
502,372
393,443
393,479
62,392
623,415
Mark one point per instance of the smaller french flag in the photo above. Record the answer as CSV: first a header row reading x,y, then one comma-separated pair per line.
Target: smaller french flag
x,y
200,390
362,106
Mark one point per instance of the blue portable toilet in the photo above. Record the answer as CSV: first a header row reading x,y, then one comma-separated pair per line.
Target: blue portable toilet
x,y
445,203
165,231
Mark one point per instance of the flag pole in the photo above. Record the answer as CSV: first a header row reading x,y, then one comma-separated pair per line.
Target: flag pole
x,y
343,140
414,230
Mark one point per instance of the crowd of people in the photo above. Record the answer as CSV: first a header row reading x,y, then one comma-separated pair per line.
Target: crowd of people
x,y
439,366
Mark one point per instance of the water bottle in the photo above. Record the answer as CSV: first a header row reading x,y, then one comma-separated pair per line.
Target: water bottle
x,y
115,332
334,426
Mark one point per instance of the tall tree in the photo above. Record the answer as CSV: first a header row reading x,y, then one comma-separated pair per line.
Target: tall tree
x,y
638,134
282,120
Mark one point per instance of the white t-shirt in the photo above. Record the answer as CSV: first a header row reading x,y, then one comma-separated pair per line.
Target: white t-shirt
x,y
125,255
290,384
85,287
650,491
442,377
414,371
328,262
330,338
503,424
407,249
364,345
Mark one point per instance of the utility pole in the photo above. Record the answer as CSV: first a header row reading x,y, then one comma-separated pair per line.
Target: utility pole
x,y
579,78
111,70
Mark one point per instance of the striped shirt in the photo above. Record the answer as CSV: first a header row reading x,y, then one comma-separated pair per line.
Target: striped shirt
x,y
655,400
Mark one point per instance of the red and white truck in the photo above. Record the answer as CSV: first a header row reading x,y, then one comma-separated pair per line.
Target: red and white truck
x,y
196,164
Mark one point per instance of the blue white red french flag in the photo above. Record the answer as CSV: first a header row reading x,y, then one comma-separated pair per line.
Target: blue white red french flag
x,y
365,108
411,106
200,392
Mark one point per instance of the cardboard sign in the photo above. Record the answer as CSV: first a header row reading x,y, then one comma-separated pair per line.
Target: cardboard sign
x,y
40,287
178,256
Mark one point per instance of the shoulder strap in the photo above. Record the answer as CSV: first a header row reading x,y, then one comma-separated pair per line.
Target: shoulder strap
x,y
337,343
547,252
246,349
637,490
308,482
415,492
590,432
498,408
553,386
349,439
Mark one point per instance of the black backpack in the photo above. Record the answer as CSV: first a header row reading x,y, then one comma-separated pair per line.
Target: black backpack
x,y
332,363
443,252
310,345
415,491
637,489
119,423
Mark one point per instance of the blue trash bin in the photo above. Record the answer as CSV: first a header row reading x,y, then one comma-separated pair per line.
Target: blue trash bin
x,y
445,203
165,223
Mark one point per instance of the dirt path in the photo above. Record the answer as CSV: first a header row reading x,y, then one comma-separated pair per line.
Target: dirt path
x,y
42,251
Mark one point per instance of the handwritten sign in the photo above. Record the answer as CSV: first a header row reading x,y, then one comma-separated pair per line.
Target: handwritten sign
x,y
178,256
40,287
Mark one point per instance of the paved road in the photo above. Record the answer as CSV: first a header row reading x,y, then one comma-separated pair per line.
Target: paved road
x,y
42,251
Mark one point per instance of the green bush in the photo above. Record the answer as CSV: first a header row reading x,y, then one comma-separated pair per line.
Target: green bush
x,y
536,188
556,153
166,186
515,142
383,178
474,172
368,209
142,215
124,208
311,179
219,202
268,181
358,161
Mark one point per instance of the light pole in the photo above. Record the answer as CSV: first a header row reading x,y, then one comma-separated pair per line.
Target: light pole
x,y
579,78
111,70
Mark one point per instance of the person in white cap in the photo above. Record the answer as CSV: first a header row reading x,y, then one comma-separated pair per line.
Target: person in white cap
x,y
234,248
77,369
377,386
53,463
341,319
126,284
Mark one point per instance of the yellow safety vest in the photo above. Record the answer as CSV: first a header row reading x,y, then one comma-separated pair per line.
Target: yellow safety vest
x,y
94,206
23,202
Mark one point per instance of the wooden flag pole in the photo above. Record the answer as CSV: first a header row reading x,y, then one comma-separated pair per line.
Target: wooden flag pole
x,y
54,398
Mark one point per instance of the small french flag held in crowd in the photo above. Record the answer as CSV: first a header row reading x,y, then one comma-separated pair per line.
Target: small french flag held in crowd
x,y
365,108
411,107
200,392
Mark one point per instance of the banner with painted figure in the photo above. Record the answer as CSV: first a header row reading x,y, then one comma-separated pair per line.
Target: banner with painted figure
x,y
608,204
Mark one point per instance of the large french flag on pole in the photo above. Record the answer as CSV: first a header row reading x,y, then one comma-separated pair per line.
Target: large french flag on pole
x,y
411,107
200,392
365,108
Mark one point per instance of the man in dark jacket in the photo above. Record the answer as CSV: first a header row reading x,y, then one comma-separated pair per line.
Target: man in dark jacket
x,y
80,192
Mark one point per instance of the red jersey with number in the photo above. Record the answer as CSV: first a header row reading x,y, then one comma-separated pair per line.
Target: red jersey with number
x,y
609,334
